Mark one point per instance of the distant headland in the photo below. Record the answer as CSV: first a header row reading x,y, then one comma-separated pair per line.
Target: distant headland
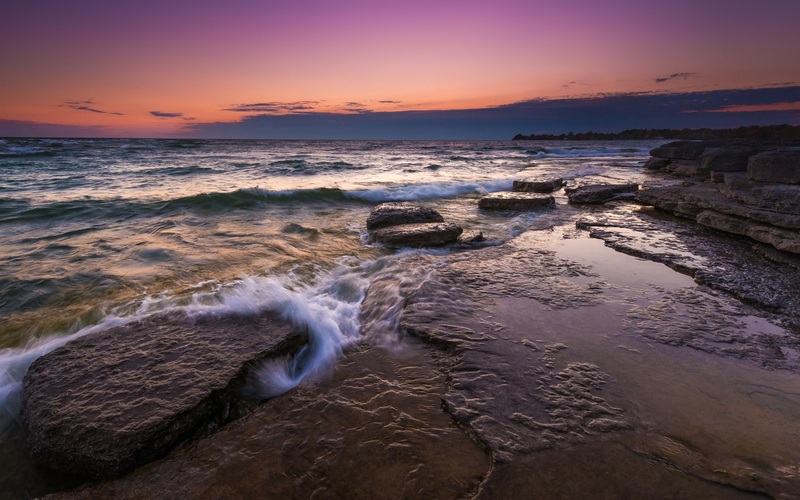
x,y
770,132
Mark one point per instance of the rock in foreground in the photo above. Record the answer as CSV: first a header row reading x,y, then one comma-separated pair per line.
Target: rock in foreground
x,y
106,403
431,234
393,214
506,200
601,193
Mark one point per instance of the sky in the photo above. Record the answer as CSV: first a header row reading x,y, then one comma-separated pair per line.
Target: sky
x,y
412,69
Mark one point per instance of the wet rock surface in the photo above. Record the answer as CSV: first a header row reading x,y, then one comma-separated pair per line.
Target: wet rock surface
x,y
762,203
754,274
375,429
432,234
510,200
536,185
108,402
392,214
600,193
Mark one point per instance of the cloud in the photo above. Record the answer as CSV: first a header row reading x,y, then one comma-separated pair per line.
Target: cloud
x,y
599,113
164,114
275,107
85,106
390,102
673,76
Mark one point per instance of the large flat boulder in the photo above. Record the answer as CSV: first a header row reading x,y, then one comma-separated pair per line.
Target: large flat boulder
x,y
780,166
732,158
392,214
430,234
508,200
106,403
601,193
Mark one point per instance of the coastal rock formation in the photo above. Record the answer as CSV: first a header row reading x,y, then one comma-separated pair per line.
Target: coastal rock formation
x,y
430,234
535,185
601,193
106,403
507,200
405,225
393,214
750,189
782,166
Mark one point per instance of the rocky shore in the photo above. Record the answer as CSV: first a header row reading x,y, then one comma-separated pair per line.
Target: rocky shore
x,y
567,360
742,187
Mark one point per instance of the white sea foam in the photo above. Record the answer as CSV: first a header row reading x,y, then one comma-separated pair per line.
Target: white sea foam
x,y
426,191
14,363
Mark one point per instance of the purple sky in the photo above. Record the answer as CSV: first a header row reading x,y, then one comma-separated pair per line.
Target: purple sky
x,y
155,68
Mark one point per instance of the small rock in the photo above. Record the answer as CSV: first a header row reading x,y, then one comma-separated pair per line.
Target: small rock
x,y
507,200
532,185
429,234
600,193
392,214
470,237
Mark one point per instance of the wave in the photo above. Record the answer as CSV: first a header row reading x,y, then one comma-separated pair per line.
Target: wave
x,y
436,190
181,171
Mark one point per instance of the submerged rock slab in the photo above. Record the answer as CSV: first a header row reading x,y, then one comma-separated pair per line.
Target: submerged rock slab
x,y
534,185
507,200
106,403
432,234
392,214
600,193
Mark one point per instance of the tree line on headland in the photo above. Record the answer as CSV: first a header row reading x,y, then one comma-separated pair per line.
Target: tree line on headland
x,y
769,132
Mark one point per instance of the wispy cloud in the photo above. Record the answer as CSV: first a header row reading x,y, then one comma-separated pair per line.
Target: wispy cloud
x,y
675,76
165,114
275,107
390,102
87,105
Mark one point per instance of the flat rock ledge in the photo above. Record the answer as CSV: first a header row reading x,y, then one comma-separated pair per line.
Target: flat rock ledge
x,y
431,234
106,403
535,185
511,200
398,225
393,214
601,193
748,188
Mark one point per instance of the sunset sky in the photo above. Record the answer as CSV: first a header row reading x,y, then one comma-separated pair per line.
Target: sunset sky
x,y
171,68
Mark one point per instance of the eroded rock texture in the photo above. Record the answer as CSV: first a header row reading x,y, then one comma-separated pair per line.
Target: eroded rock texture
x,y
109,402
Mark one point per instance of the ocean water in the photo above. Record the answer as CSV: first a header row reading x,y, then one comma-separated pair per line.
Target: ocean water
x,y
95,233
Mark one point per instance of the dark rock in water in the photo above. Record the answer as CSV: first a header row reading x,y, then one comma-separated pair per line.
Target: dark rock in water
x,y
471,237
680,150
392,214
430,234
106,403
533,185
731,158
507,200
782,166
600,193
655,163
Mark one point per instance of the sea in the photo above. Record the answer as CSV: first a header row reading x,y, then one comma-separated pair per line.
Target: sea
x,y
95,233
